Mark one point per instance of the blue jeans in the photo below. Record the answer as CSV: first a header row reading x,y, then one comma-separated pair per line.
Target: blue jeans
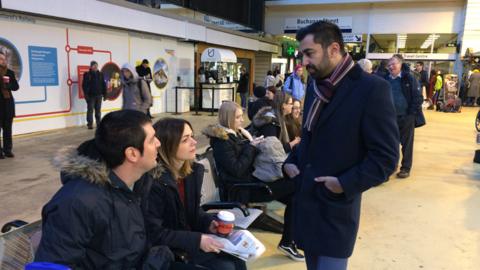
x,y
315,262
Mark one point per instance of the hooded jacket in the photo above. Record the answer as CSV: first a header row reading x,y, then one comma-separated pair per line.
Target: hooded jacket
x,y
233,153
168,221
136,94
95,221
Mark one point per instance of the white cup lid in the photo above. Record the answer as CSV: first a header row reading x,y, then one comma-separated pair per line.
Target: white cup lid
x,y
226,216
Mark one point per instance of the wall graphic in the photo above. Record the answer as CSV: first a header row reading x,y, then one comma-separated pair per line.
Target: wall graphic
x,y
50,57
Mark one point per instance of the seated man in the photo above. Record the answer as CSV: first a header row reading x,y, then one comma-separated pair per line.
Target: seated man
x,y
95,221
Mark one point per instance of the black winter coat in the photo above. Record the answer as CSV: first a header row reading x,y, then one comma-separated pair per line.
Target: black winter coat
x,y
93,84
243,83
7,105
169,222
233,154
95,221
412,92
356,140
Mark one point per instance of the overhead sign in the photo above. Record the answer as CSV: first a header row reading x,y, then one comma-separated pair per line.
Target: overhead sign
x,y
293,24
352,38
415,56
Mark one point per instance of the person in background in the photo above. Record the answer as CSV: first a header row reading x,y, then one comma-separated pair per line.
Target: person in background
x,y
95,221
243,87
8,83
94,90
408,101
269,80
136,95
144,72
473,88
437,87
422,77
365,64
293,121
270,121
171,201
264,99
294,85
382,70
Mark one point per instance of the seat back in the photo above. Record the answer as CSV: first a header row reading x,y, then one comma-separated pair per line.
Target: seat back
x,y
18,247
210,189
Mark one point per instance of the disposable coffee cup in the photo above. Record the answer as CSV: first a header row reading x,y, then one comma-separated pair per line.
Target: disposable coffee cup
x,y
6,79
226,222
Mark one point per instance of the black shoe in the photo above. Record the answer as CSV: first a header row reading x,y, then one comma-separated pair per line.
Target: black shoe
x,y
2,156
90,127
9,154
403,174
290,250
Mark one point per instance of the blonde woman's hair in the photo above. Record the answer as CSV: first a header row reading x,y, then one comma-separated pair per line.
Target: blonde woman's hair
x,y
226,114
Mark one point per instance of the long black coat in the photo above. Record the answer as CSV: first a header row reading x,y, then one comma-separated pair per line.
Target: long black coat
x,y
356,140
94,221
168,221
7,105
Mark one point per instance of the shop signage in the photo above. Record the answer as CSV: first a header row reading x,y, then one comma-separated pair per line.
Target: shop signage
x,y
224,23
293,24
415,56
352,38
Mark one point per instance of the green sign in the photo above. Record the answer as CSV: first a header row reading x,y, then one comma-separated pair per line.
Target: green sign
x,y
290,51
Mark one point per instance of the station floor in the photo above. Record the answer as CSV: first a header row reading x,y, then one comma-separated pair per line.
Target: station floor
x,y
428,221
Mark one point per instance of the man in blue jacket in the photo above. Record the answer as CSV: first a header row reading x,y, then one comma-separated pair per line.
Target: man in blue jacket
x,y
349,144
407,99
294,85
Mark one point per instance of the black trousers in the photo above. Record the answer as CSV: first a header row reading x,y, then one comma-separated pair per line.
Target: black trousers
x,y
282,190
6,130
94,103
406,127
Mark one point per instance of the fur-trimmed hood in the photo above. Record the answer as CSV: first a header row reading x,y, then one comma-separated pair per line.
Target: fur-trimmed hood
x,y
264,117
72,165
221,132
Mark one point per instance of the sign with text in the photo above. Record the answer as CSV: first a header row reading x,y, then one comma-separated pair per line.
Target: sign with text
x,y
293,24
352,38
43,65
80,71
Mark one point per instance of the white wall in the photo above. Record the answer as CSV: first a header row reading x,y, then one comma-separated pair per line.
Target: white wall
x,y
415,17
53,111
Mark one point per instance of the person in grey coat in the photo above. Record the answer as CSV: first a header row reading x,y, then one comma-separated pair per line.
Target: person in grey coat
x,y
136,95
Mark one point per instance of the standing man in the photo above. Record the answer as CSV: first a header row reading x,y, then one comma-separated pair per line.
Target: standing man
x,y
8,84
294,85
95,221
408,101
145,73
349,144
94,90
243,88
422,77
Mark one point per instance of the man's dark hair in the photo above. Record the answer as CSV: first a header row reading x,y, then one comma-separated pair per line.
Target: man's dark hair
x,y
117,131
324,33
145,61
420,63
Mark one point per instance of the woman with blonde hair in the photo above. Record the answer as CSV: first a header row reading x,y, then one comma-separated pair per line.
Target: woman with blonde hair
x,y
234,151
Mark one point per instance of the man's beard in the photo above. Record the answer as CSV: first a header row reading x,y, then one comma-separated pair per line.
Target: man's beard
x,y
319,72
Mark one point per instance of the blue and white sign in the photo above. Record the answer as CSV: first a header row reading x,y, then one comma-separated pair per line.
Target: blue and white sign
x,y
352,38
293,24
43,65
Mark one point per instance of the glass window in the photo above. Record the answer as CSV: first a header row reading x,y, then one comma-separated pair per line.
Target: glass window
x,y
382,43
414,43
445,43
357,49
